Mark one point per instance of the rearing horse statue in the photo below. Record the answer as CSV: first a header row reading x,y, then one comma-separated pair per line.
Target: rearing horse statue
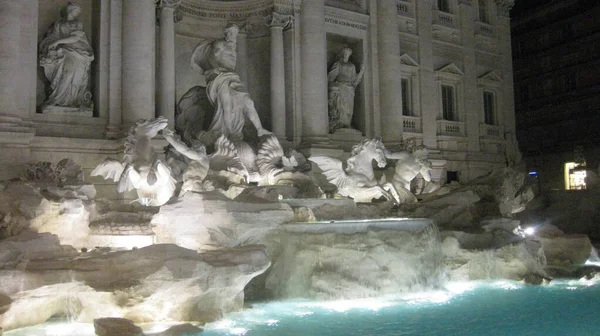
x,y
357,180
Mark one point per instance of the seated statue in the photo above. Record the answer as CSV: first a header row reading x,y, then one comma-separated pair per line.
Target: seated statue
x,y
66,56
228,96
343,81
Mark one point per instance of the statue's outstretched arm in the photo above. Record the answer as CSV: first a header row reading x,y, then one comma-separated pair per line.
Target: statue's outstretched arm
x,y
397,155
180,146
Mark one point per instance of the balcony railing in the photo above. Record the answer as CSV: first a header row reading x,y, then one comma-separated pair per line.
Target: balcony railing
x,y
411,124
484,29
404,8
490,131
451,128
445,19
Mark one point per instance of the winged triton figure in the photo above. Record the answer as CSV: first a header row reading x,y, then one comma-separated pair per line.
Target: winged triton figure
x,y
141,168
357,180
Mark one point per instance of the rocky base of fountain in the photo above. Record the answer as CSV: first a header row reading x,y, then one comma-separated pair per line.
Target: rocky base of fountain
x,y
161,282
351,259
64,254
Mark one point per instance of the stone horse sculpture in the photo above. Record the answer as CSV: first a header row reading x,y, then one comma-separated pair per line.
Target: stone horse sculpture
x,y
141,168
357,180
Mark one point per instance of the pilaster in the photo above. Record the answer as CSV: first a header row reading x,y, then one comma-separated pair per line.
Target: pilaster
x,y
388,41
277,24
428,85
115,115
505,50
314,72
472,105
138,63
166,63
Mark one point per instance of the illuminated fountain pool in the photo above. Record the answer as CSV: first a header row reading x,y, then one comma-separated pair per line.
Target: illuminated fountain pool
x,y
473,308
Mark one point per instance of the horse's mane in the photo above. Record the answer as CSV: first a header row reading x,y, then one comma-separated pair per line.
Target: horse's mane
x,y
360,147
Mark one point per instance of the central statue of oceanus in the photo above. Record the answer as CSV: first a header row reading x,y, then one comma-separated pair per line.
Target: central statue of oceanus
x,y
224,105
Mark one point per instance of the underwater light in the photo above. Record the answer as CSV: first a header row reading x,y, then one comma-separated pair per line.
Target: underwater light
x,y
529,231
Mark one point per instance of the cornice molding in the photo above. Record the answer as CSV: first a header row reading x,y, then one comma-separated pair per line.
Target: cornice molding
x,y
450,72
343,17
490,79
241,11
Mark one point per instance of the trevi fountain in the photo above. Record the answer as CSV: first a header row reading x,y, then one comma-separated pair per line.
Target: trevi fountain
x,y
227,222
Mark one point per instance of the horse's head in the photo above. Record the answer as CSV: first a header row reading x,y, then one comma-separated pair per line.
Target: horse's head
x,y
375,150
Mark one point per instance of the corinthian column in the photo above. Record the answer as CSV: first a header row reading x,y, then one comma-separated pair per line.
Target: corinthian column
x,y
314,71
278,22
166,72
242,52
138,60
389,69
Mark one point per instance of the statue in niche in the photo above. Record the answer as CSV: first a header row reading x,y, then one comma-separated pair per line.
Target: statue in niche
x,y
343,80
66,55
229,98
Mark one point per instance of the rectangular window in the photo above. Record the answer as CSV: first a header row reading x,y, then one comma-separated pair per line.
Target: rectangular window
x,y
483,13
488,107
444,6
406,101
448,103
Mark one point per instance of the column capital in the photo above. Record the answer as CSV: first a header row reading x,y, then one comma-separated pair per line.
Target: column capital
x,y
279,20
170,5
246,27
504,7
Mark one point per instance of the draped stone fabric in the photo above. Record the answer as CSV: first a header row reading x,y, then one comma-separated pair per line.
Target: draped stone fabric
x,y
216,59
343,80
66,55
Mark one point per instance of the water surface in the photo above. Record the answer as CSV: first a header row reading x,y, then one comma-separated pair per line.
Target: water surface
x,y
472,308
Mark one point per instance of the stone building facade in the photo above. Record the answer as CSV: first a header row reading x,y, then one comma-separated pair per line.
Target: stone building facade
x,y
436,71
556,52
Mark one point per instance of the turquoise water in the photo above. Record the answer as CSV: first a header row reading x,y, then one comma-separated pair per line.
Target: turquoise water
x,y
473,308
500,308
